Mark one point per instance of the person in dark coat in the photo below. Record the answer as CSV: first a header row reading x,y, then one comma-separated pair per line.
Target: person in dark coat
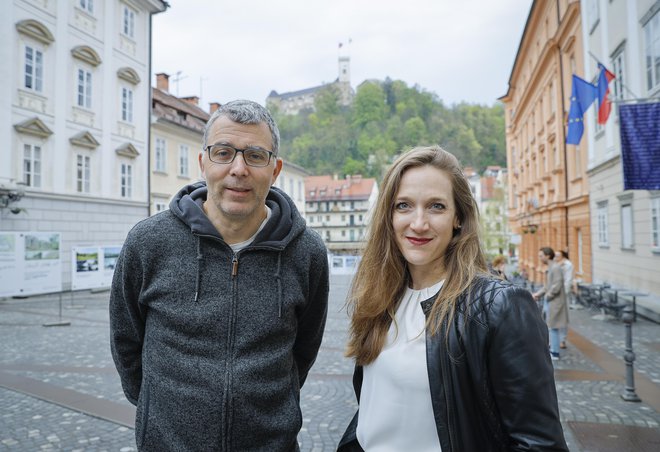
x,y
447,355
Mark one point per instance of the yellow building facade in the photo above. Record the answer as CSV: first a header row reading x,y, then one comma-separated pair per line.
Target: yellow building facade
x,y
548,200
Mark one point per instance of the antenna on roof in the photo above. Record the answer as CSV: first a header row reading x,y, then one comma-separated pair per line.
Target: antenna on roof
x,y
176,79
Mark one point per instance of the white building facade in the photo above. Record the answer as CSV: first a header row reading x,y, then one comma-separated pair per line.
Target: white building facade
x,y
339,210
292,181
74,109
625,37
177,133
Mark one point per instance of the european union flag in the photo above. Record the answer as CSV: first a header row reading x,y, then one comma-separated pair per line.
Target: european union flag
x,y
583,95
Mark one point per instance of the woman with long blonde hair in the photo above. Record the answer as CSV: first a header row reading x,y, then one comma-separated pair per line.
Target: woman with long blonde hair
x,y
447,356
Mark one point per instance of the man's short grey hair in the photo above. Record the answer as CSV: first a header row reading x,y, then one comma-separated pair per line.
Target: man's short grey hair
x,y
246,112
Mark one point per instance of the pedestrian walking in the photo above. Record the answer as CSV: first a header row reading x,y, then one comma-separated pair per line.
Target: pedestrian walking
x,y
554,299
447,355
218,304
498,266
567,270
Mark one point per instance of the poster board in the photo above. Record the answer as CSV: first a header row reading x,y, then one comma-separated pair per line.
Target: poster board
x,y
92,267
30,263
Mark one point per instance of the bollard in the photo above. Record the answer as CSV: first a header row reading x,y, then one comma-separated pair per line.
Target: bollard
x,y
629,394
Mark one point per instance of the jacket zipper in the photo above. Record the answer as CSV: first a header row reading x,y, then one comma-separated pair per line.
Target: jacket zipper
x,y
234,266
230,348
450,415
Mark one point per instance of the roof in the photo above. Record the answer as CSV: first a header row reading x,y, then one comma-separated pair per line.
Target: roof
x,y
327,188
301,92
173,109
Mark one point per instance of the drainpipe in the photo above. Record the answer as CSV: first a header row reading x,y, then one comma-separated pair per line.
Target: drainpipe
x,y
561,81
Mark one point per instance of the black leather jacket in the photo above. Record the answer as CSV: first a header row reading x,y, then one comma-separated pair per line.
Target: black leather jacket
x,y
492,383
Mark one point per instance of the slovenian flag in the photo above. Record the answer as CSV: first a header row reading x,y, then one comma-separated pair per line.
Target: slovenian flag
x,y
604,104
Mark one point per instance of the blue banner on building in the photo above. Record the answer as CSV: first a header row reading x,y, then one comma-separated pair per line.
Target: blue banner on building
x,y
640,145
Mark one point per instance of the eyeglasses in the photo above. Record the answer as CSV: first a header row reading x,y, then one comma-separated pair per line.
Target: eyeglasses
x,y
225,154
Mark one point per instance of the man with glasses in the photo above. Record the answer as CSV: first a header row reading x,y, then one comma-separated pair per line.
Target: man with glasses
x,y
218,304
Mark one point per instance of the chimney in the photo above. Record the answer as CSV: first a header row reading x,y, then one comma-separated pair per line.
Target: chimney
x,y
163,82
213,106
194,100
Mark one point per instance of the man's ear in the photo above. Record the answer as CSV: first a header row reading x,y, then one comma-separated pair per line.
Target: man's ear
x,y
276,170
200,159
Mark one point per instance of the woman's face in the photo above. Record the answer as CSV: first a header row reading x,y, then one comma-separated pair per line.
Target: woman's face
x,y
424,218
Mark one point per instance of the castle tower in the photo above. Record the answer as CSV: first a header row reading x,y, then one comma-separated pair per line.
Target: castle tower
x,y
344,69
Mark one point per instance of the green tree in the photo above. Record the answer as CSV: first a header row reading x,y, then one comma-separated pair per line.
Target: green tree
x,y
369,105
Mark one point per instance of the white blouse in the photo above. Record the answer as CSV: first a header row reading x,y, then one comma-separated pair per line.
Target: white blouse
x,y
395,400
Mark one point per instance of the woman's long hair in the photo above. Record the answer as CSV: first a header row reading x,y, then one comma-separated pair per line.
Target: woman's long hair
x,y
382,275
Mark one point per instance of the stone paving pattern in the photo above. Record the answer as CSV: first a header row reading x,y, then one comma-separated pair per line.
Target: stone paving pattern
x,y
77,357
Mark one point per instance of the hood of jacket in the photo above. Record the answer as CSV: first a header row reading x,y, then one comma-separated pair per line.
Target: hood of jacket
x,y
283,226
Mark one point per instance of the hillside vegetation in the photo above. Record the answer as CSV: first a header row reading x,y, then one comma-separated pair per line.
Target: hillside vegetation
x,y
385,118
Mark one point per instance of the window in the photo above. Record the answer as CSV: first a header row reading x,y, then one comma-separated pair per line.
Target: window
x,y
128,25
160,155
627,241
618,69
553,107
580,268
32,165
291,182
183,160
126,180
593,14
82,173
34,69
655,223
652,51
127,104
601,212
84,97
87,5
160,206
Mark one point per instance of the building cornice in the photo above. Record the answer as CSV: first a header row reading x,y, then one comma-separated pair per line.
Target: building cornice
x,y
61,197
127,150
36,30
609,163
34,127
86,54
84,139
129,75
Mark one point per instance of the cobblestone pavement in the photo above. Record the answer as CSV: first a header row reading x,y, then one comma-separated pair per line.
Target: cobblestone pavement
x,y
76,360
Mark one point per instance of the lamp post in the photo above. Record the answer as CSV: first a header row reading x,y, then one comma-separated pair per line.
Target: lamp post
x,y
629,394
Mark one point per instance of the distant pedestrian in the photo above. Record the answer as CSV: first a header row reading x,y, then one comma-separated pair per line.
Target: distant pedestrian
x,y
554,304
567,269
218,304
447,356
498,265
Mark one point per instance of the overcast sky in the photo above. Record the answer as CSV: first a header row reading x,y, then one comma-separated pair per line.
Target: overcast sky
x,y
462,50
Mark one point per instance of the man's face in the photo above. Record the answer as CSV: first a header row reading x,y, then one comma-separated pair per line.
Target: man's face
x,y
543,258
236,191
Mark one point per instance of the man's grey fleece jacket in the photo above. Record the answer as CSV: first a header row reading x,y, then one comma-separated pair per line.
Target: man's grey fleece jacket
x,y
213,346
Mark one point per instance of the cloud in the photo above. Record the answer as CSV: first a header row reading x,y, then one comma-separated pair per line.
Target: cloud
x,y
459,50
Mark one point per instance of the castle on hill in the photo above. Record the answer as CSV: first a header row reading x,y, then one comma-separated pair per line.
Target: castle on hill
x,y
295,101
